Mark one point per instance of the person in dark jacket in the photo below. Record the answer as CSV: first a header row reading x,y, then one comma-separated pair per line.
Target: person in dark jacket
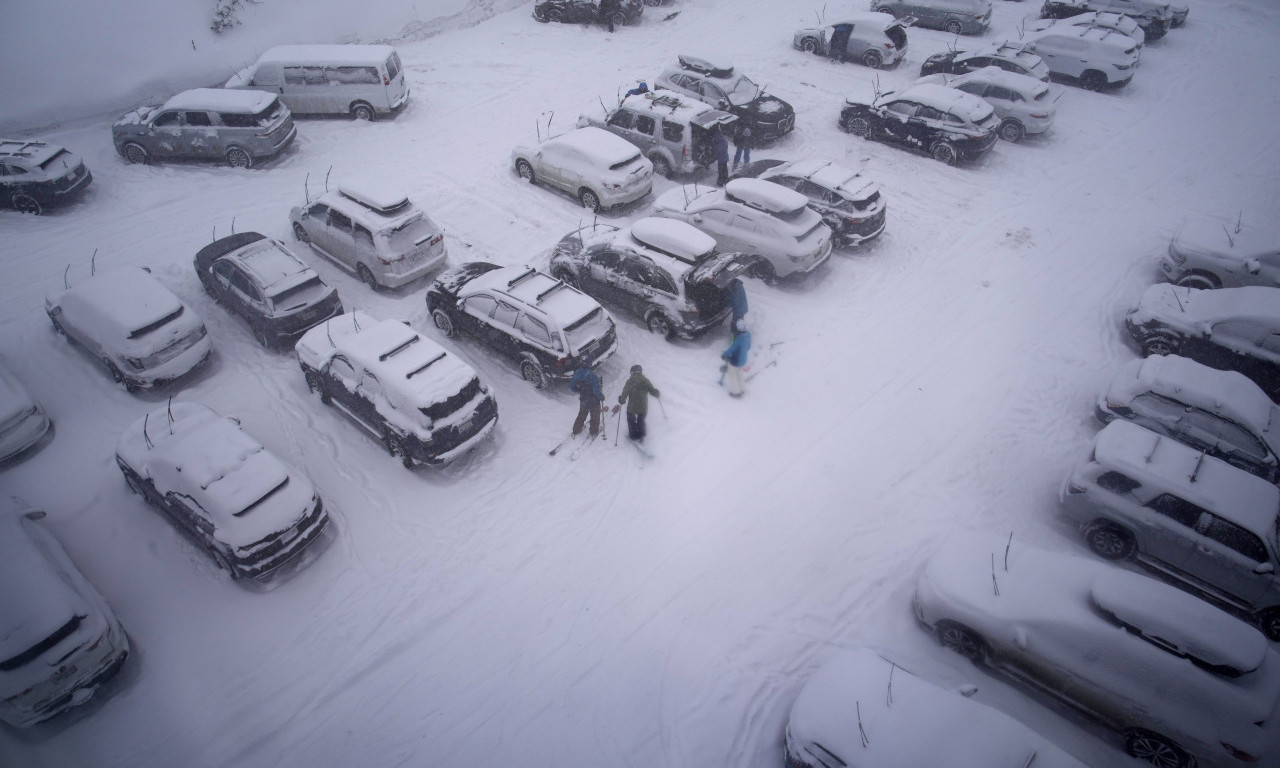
x,y
742,146
635,393
722,156
590,395
737,301
608,9
735,359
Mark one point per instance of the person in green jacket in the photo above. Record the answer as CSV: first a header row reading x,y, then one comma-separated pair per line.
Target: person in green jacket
x,y
635,393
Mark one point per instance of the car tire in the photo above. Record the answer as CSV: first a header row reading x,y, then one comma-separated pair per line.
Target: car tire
x,y
858,126
525,171
589,200
1269,623
809,45
1155,749
619,19
565,276
953,27
1012,131
661,166
555,14
238,158
1109,541
531,372
962,640
135,153
366,276
260,336
659,323
444,323
944,153
395,447
222,562
1199,281
761,269
27,204
117,376
363,112
1160,344
872,59
301,234
315,385
540,14
1093,80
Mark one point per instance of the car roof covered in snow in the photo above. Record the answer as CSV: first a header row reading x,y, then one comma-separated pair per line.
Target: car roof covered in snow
x,y
765,195
1193,307
1228,492
1028,86
600,146
689,197
120,300
335,53
1209,235
674,238
880,21
268,262
538,290
1109,38
221,100
31,153
670,103
318,344
963,105
826,173
407,363
377,208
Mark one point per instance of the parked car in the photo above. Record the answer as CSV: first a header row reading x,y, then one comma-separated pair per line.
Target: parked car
x,y
673,131
664,271
768,222
35,175
1194,518
423,403
586,11
958,17
1011,57
1222,413
548,327
1183,682
363,81
1100,20
375,232
862,710
848,203
241,127
1209,253
1234,329
943,122
595,167
1094,58
59,640
219,486
716,84
1024,104
1154,16
871,39
142,333
257,278
22,421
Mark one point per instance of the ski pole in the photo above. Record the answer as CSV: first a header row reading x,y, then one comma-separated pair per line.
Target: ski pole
x,y
618,430
663,407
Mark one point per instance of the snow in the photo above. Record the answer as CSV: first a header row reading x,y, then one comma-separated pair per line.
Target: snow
x,y
327,54
316,347
276,268
1218,236
940,97
766,195
1029,87
520,609
36,599
221,100
22,420
602,149
1196,309
684,241
118,301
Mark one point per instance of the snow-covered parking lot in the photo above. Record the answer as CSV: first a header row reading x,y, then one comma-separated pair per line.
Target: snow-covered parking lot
x,y
520,609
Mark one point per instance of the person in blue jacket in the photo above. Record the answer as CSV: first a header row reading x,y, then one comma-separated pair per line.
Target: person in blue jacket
x,y
722,156
735,359
590,395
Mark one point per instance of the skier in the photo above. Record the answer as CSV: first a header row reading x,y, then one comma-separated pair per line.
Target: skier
x,y
735,358
722,156
737,302
608,9
590,395
742,146
635,393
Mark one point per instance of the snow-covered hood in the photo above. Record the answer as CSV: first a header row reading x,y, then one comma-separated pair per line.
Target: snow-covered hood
x,y
1218,239
1195,311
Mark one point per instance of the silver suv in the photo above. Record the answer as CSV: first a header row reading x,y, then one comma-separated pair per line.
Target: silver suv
x,y
673,131
1208,253
1190,516
241,127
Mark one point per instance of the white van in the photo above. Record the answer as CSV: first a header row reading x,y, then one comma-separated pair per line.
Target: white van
x,y
363,81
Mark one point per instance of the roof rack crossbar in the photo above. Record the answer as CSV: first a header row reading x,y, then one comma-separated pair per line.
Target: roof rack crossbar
x,y
528,271
425,366
382,358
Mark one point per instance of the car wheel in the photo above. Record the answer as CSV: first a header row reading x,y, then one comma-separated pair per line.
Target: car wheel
x,y
872,59
1109,541
135,153
1269,622
395,447
619,19
660,324
444,323
962,640
858,126
1160,344
661,166
953,27
540,14
116,375
1155,749
589,200
238,158
300,233
555,14
366,276
762,270
1012,130
531,372
222,562
57,327
260,336
1200,281
363,112
1093,80
944,153
315,385
525,170
565,276
27,204
809,45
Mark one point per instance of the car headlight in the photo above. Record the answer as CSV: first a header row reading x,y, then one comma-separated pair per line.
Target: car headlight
x,y
1177,256
135,362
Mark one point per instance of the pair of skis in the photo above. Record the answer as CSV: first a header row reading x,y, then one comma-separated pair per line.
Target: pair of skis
x,y
577,450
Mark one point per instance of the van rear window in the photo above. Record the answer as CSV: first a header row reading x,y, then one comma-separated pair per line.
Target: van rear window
x,y
393,65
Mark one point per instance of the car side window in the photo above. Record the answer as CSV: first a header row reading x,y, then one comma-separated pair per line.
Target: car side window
x,y
167,120
710,93
1233,536
929,113
242,284
505,314
998,92
1176,509
977,89
903,108
978,62
1241,331
816,192
1158,406
339,221
622,119
1239,438
342,370
606,259
646,124
364,239
1117,482
672,131
534,330
196,118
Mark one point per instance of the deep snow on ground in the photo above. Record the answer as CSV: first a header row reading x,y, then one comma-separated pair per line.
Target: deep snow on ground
x,y
517,609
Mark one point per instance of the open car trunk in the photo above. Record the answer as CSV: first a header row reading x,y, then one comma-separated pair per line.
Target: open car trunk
x,y
704,149
708,283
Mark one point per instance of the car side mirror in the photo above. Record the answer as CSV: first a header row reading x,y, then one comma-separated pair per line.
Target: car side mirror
x,y
1261,570
967,690
39,514
697,217
1253,266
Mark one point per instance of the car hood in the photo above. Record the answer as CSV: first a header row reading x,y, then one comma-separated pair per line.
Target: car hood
x,y
766,108
1219,238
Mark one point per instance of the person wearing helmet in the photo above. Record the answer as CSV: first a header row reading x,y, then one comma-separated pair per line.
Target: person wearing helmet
x,y
590,395
635,393
735,358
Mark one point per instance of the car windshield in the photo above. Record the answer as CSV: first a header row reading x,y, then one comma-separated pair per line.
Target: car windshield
x,y
35,651
743,91
588,328
297,296
144,330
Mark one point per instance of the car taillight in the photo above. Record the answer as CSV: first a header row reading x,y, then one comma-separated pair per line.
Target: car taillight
x,y
851,220
889,46
1239,754
559,362
436,239
386,80
684,152
1072,488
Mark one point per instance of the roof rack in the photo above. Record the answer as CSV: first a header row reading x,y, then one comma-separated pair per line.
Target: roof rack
x,y
5,147
559,284
664,100
523,275
399,348
425,366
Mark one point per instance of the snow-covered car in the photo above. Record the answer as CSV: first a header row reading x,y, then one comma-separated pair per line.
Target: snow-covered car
x,y
252,512
664,271
1154,16
1209,253
675,132
1009,56
1100,20
1184,683
1234,329
1190,516
59,640
241,127
1094,58
22,421
586,11
958,17
871,39
861,710
423,403
945,123
142,333
546,326
1179,12
768,222
35,175
258,279
597,168
1024,104
848,203
1222,413
717,84
377,233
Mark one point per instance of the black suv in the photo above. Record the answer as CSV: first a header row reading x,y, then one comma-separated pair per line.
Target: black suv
x,y
585,11
35,175
766,115
545,325
948,124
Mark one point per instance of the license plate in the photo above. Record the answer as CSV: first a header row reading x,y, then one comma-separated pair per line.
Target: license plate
x,y
465,427
64,673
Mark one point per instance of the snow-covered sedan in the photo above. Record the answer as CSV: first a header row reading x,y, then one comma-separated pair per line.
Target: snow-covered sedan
x,y
423,403
22,421
945,123
871,39
1213,253
1009,56
771,223
848,203
862,710
216,484
142,333
257,278
1183,682
597,168
1024,104
665,271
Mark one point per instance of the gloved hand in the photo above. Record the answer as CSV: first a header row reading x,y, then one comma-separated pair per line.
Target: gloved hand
x,y
616,408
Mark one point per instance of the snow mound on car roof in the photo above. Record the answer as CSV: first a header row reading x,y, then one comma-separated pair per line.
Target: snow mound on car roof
x,y
602,147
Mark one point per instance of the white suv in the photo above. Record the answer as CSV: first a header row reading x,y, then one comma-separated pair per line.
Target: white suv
x,y
1024,104
1095,58
597,168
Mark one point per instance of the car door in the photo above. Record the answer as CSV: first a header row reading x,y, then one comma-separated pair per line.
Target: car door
x,y
1239,345
500,332
1166,531
166,134
534,334
342,379
301,85
842,44
370,395
200,134
1228,557
718,223
645,132
603,270
549,162
188,515
340,238
896,115
1239,447
234,288
710,93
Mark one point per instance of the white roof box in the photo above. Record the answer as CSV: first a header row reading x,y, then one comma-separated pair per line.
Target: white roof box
x,y
705,66
674,238
379,199
765,195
